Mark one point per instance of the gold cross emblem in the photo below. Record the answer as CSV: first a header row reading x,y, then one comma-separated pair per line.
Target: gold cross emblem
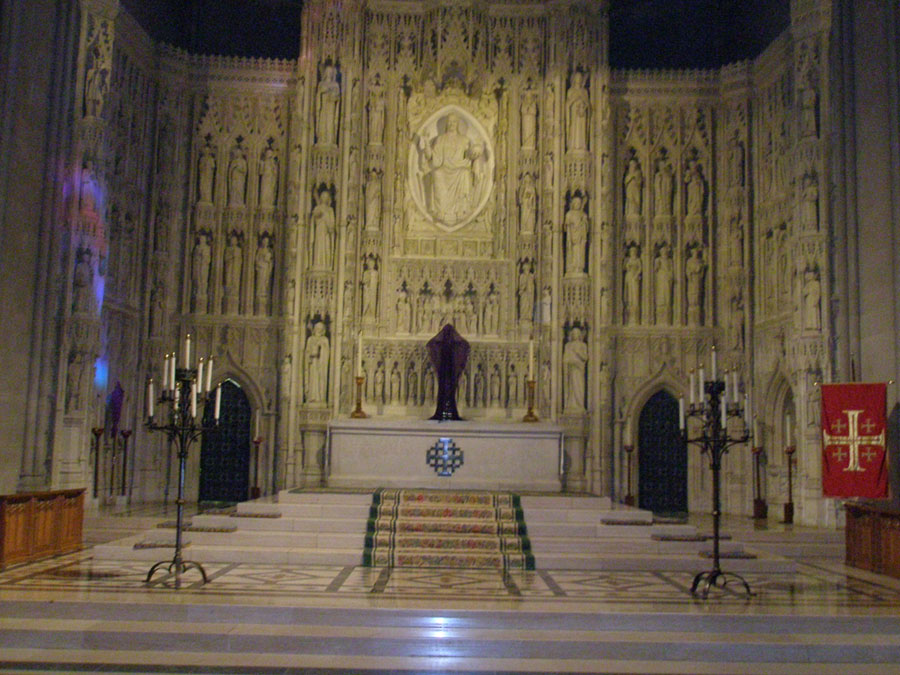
x,y
853,440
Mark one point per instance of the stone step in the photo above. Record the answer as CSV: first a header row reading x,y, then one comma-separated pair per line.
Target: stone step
x,y
606,546
283,524
646,562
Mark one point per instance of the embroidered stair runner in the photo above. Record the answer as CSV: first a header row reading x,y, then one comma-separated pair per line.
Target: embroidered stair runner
x,y
443,528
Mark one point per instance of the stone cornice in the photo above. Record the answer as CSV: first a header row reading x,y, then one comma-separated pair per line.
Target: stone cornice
x,y
227,69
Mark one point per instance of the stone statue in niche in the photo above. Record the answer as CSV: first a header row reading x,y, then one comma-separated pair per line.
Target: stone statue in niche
x,y
634,186
664,274
286,370
373,200
736,333
546,306
83,282
735,161
200,269
206,173
527,204
369,288
695,271
495,387
491,323
633,273
237,177
576,224
157,306
605,305
428,378
322,219
74,380
233,260
317,354
478,390
548,170
575,357
394,384
809,206
512,387
376,111
328,103
403,310
264,263
268,178
529,113
412,386
526,292
577,113
663,186
378,391
451,169
95,84
695,189
808,111
812,295
88,188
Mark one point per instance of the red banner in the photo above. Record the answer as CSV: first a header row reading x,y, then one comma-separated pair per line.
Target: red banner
x,y
854,461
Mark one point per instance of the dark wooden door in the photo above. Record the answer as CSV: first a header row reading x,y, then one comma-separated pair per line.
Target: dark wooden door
x,y
225,453
662,458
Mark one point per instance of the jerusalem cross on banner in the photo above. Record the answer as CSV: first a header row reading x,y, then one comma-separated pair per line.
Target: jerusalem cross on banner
x,y
854,462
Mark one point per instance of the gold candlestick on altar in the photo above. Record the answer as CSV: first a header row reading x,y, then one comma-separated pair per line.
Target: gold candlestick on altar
x,y
358,413
529,392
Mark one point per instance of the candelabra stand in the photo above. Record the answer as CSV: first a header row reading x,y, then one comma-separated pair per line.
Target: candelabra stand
x,y
629,453
789,507
182,427
712,413
760,508
529,392
359,414
97,432
255,491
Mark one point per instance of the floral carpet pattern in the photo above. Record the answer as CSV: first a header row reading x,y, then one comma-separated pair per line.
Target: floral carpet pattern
x,y
441,528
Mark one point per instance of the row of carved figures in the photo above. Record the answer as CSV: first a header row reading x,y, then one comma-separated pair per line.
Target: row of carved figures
x,y
471,310
230,279
236,173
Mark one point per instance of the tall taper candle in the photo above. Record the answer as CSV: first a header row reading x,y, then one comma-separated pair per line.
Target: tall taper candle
x,y
194,400
218,402
172,366
209,368
701,378
693,391
359,372
531,359
681,413
187,350
165,383
200,379
713,374
150,398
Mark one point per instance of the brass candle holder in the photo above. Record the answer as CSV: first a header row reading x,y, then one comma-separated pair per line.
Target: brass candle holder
x,y
358,413
529,393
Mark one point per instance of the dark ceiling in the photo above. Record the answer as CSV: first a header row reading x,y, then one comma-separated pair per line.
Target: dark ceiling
x,y
643,33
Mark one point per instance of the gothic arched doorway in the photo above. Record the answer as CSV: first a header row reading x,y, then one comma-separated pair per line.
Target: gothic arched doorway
x,y
662,457
225,453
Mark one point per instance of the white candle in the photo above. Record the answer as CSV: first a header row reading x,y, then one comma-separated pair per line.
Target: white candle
x,y
218,402
209,369
713,376
165,384
700,387
150,398
187,350
172,367
200,380
359,370
194,400
692,390
681,413
531,359
256,426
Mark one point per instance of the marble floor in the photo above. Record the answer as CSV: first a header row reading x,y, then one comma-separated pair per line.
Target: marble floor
x,y
76,613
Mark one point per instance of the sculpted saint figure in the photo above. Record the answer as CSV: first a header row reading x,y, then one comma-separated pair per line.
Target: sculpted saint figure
x,y
237,178
376,111
663,183
233,265
207,171
373,200
88,188
695,269
662,266
696,189
529,117
82,282
809,207
633,287
317,353
526,293
370,289
200,266
634,185
328,100
94,86
812,294
322,219
576,223
268,178
577,109
403,310
575,358
263,273
736,161
451,162
527,204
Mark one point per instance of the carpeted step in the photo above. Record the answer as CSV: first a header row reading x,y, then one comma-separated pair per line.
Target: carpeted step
x,y
442,528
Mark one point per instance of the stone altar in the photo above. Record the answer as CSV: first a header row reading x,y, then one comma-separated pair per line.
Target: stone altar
x,y
392,453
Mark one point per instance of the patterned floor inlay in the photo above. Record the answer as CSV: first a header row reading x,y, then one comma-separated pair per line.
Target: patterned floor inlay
x,y
814,586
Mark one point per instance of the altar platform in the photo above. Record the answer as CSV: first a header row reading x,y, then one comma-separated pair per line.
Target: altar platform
x,y
466,454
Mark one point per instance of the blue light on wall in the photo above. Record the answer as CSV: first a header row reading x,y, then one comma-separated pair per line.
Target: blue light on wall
x,y
101,373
